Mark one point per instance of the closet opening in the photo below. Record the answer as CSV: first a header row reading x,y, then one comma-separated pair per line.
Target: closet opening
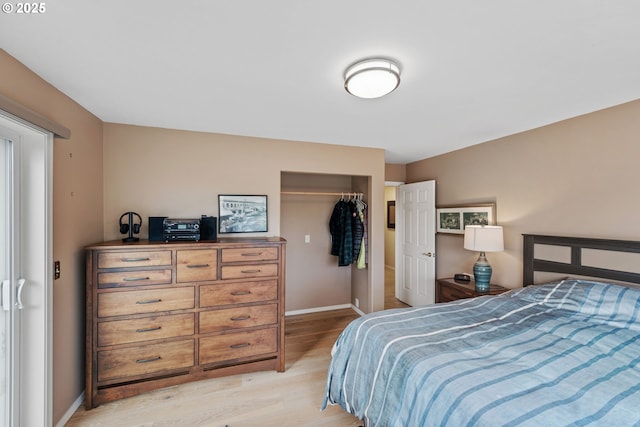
x,y
315,280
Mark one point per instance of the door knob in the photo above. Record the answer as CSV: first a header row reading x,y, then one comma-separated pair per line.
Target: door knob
x,y
429,254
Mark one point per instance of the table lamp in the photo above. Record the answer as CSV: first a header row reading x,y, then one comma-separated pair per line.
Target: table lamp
x,y
483,238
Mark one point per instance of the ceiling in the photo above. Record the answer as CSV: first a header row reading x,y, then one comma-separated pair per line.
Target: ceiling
x,y
471,71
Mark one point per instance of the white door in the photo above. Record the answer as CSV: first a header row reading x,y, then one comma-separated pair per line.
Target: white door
x,y
25,274
416,243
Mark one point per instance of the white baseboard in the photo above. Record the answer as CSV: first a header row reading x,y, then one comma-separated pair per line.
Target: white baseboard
x,y
325,308
357,310
317,309
74,407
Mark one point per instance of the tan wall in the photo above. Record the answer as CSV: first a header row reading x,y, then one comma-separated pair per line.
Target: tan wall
x,y
77,217
165,172
395,172
574,178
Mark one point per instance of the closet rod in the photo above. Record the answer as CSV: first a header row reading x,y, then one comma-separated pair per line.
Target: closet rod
x,y
313,193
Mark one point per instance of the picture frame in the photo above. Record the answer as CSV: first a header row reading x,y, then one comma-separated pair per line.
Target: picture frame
x,y
391,214
242,213
453,219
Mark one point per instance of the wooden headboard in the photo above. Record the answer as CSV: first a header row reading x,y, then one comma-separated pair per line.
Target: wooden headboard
x,y
575,267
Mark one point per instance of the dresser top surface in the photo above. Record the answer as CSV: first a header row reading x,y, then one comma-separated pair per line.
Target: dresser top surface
x,y
146,244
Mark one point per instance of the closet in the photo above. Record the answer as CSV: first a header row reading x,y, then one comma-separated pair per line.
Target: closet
x,y
315,281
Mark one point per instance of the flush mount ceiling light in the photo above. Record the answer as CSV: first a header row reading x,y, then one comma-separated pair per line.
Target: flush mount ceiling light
x,y
372,78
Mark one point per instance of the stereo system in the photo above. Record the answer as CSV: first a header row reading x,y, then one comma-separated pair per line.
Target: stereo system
x,y
162,228
180,229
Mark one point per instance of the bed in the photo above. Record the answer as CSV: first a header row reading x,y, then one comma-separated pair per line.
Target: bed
x,y
564,352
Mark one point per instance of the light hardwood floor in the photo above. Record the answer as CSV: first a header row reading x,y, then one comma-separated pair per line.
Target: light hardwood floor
x,y
260,399
390,300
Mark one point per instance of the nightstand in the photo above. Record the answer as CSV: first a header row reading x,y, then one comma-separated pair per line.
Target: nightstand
x,y
451,290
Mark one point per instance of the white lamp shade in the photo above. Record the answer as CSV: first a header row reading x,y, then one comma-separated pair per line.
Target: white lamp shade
x,y
483,238
372,78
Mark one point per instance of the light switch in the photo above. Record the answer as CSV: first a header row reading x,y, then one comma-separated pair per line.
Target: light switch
x,y
307,238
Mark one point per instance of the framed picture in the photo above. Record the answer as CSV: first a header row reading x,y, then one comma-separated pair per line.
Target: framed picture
x,y
455,218
242,214
391,214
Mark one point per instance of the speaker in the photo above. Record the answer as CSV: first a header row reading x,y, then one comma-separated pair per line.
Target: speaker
x,y
208,228
156,228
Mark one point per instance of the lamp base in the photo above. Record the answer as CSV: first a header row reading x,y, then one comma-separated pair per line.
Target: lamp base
x,y
482,273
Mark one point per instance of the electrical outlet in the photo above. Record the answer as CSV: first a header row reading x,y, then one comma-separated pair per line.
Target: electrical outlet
x,y
307,238
357,303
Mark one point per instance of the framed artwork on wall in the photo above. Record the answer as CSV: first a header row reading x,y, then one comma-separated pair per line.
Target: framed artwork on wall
x,y
242,214
391,214
454,219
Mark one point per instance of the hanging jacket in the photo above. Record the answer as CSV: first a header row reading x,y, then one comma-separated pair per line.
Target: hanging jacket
x,y
341,229
336,228
345,257
357,230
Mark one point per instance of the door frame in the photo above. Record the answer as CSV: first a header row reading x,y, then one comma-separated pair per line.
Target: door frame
x,y
35,180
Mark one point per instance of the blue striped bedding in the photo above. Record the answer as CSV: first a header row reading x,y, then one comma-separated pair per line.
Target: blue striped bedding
x,y
558,354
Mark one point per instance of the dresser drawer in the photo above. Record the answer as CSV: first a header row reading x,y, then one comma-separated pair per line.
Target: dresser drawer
x,y
249,254
220,348
197,265
145,329
134,278
238,293
451,294
236,318
148,301
245,271
133,259
128,362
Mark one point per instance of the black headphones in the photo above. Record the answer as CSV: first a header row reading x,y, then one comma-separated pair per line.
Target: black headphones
x,y
129,226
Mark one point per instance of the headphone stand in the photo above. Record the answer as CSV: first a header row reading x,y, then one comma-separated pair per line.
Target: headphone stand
x,y
130,238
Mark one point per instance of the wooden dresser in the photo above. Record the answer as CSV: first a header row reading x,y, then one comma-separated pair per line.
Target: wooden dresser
x,y
160,314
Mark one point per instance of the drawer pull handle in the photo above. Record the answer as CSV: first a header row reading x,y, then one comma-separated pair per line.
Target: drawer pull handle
x,y
197,265
154,328
252,254
134,279
250,271
240,345
149,301
136,259
239,293
238,319
151,359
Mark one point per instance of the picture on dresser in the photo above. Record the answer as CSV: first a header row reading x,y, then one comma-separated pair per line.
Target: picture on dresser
x,y
453,219
242,214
